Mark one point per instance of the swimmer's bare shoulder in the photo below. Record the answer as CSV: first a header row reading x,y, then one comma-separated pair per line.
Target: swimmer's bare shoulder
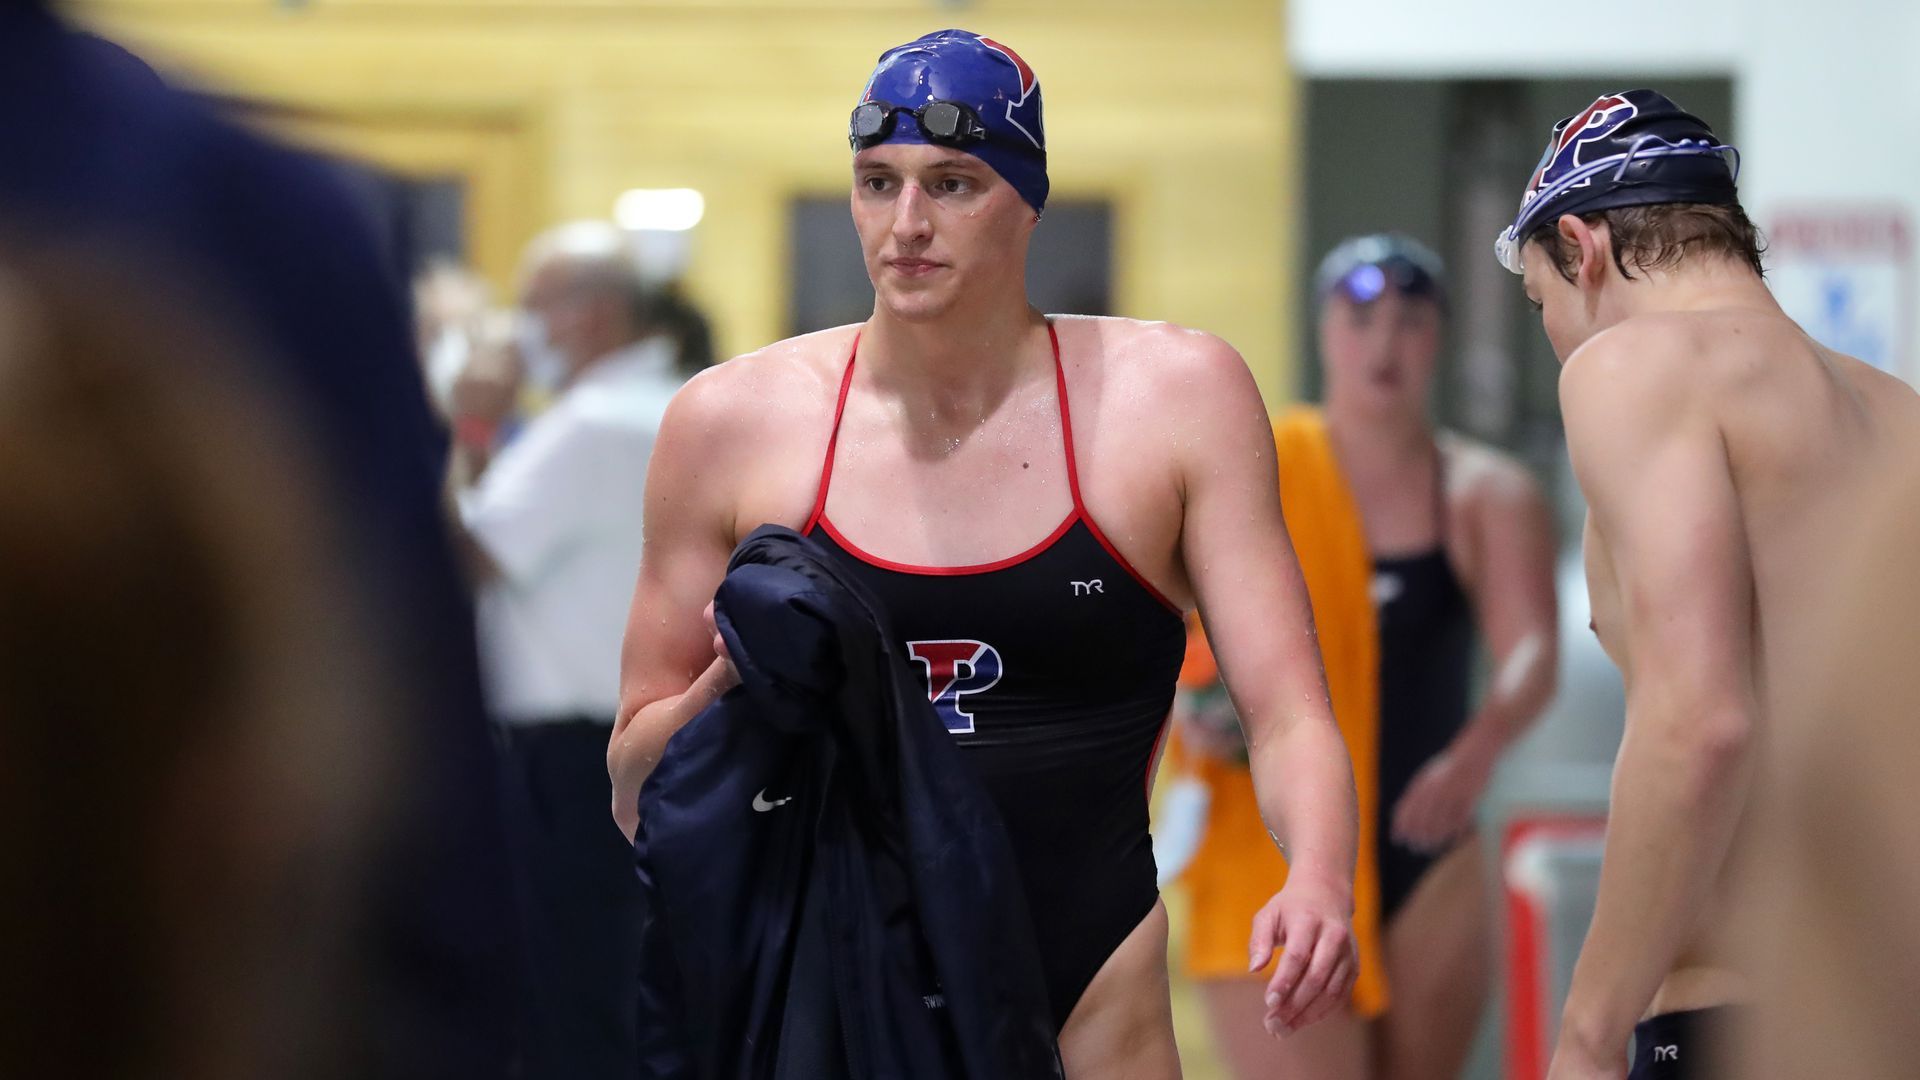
x,y
1497,515
1650,372
1159,411
740,445
1169,380
1482,477
742,441
1776,399
1647,349
1149,353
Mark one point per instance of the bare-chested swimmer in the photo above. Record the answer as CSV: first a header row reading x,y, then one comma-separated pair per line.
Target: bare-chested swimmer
x,y
1722,452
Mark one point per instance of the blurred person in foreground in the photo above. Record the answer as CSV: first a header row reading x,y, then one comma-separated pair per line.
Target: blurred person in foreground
x,y
1418,546
194,741
954,454
1719,448
553,525
1834,857
103,157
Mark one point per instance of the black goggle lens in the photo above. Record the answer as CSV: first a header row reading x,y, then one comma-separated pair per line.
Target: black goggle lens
x,y
946,122
870,123
941,120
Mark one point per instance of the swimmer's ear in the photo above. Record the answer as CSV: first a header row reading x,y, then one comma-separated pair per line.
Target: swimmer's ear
x,y
1592,245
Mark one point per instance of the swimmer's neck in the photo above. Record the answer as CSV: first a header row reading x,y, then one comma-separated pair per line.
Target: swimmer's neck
x,y
1701,285
953,365
1373,442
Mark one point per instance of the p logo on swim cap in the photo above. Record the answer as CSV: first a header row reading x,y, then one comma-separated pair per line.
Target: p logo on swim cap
x,y
1575,138
1633,148
989,79
1029,86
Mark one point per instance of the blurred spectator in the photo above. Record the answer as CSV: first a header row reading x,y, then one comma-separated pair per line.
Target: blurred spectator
x,y
1416,546
554,524
449,303
676,317
193,740
103,157
484,398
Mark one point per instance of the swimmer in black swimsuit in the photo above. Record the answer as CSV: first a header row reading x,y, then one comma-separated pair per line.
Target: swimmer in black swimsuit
x,y
1462,544
1047,675
1036,501
1462,547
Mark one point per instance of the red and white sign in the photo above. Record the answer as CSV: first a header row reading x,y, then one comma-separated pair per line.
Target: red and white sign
x,y
1845,272
1541,943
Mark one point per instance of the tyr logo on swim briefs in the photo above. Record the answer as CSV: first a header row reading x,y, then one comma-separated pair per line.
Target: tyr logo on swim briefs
x,y
956,668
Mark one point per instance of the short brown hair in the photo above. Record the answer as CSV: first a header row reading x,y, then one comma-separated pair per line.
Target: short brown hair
x,y
1659,236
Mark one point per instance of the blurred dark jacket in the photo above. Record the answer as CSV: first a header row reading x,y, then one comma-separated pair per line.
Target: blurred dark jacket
x,y
829,890
97,154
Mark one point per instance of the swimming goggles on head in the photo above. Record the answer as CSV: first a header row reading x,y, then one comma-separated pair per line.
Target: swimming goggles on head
x,y
947,123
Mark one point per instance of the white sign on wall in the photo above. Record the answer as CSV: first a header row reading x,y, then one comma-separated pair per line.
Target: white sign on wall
x,y
1845,273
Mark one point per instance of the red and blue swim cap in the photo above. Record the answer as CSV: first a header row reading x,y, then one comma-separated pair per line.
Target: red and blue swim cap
x,y
990,80
1633,148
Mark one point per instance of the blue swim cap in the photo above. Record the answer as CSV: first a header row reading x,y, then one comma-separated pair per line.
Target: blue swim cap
x,y
985,76
1633,148
1363,267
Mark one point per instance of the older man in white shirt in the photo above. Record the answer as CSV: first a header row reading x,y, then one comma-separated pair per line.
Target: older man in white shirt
x,y
554,524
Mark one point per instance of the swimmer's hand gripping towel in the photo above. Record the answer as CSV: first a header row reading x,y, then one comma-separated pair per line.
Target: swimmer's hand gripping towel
x,y
828,891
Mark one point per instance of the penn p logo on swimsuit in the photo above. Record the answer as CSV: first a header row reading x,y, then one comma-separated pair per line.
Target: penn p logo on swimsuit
x,y
956,668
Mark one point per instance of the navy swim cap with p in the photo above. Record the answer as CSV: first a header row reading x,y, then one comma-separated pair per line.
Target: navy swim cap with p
x,y
985,76
1633,148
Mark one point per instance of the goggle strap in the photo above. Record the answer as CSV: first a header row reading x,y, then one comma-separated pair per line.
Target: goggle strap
x,y
1618,163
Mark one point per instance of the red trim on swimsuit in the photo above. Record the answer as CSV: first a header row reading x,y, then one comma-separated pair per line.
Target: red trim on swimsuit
x,y
1079,513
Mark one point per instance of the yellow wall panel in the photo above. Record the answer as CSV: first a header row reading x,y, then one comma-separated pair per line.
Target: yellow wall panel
x,y
1181,113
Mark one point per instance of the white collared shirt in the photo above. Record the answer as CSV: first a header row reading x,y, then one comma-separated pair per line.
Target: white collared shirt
x,y
559,511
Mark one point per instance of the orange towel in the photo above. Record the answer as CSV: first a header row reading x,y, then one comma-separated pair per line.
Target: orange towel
x,y
1236,869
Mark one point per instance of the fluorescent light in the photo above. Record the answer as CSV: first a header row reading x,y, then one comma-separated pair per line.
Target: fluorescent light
x,y
659,209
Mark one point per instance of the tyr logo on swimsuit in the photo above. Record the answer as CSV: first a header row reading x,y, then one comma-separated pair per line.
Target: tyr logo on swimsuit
x,y
956,668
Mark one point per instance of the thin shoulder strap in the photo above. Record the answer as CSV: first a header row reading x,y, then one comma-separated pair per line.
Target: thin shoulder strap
x,y
833,440
1439,495
1073,483
1066,420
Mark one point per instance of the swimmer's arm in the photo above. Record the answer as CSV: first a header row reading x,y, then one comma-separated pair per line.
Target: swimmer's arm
x,y
1518,608
669,670
1254,603
1650,457
1513,595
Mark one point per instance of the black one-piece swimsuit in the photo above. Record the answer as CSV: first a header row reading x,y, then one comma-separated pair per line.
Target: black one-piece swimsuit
x,y
1054,670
